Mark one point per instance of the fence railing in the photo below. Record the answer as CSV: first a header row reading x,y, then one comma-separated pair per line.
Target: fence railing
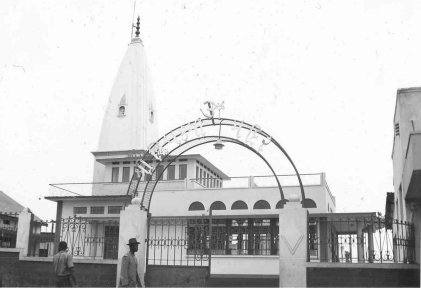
x,y
86,238
332,237
8,229
360,239
178,241
191,241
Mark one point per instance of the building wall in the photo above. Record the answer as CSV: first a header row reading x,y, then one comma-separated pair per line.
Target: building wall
x,y
103,171
176,203
68,207
408,117
406,159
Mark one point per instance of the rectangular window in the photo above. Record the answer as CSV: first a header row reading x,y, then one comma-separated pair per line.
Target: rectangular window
x,y
80,210
197,172
114,174
111,241
97,210
171,172
159,170
116,163
182,171
126,174
114,209
126,162
6,222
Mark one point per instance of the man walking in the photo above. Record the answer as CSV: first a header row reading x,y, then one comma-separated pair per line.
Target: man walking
x,y
128,275
63,267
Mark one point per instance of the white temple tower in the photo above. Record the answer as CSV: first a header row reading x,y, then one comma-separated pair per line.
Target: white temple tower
x,y
130,121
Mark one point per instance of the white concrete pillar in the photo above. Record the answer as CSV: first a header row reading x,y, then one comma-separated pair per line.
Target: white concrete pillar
x,y
133,224
24,227
293,247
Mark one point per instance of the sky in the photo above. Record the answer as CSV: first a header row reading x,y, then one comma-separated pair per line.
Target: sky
x,y
319,76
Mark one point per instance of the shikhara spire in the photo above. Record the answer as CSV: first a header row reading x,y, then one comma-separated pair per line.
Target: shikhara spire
x,y
130,119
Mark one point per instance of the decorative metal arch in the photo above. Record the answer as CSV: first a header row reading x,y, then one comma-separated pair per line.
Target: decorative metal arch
x,y
179,138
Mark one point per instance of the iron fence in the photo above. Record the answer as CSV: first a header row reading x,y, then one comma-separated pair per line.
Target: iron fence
x,y
8,229
360,239
178,241
93,238
245,236
85,237
192,241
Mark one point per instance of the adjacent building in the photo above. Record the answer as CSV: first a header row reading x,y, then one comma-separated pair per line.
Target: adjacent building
x,y
405,202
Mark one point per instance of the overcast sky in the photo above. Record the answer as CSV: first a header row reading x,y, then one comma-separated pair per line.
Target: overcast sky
x,y
319,76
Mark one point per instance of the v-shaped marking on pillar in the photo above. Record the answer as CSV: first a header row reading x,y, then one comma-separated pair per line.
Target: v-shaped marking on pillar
x,y
292,250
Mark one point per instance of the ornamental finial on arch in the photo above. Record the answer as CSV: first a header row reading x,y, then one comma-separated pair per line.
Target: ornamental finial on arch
x,y
211,108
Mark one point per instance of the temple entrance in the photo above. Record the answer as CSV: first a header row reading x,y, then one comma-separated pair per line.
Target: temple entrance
x,y
189,241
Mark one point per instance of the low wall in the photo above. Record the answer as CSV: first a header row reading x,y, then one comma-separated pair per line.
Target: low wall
x,y
243,281
362,275
176,276
38,272
245,264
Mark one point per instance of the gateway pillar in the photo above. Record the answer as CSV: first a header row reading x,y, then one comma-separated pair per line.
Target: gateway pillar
x,y
293,248
133,224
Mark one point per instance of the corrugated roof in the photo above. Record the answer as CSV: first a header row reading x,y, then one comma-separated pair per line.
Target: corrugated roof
x,y
9,205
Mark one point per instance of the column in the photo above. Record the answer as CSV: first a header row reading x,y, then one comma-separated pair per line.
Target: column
x,y
133,224
360,240
57,233
24,231
293,254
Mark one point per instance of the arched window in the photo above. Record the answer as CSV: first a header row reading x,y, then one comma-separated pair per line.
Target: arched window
x,y
280,204
122,111
122,106
261,204
239,205
196,206
309,203
218,205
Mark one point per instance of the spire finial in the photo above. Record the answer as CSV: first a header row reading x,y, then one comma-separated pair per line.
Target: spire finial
x,y
138,27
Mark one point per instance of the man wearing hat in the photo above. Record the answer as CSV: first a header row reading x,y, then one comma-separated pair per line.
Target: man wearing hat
x,y
128,275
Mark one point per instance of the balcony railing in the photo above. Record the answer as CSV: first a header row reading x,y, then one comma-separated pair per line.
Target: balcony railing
x,y
120,188
360,239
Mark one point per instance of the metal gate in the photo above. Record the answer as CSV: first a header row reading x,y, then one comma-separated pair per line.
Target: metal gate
x,y
179,242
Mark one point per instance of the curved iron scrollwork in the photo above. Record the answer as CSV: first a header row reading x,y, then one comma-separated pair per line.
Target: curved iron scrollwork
x,y
254,139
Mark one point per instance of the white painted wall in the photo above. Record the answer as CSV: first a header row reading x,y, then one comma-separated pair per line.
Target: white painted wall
x,y
69,204
245,265
177,202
